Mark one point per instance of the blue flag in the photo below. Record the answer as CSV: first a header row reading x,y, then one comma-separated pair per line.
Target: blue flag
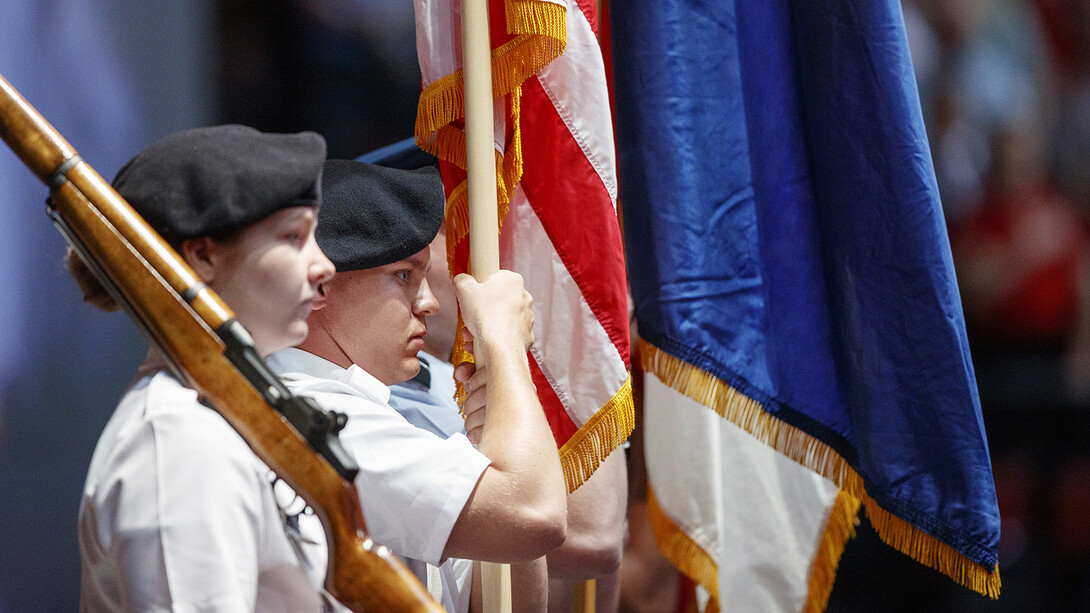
x,y
786,247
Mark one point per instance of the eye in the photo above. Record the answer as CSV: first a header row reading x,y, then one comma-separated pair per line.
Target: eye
x,y
294,236
403,274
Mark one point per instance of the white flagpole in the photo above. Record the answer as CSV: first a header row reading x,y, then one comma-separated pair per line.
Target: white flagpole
x,y
484,244
484,240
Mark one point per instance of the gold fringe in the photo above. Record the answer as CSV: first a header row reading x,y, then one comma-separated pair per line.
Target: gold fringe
x,y
920,546
510,166
541,37
440,103
460,356
540,17
592,443
523,56
457,218
748,414
583,596
450,145
838,529
683,552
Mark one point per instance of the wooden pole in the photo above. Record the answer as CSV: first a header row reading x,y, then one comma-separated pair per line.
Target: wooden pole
x,y
484,242
584,595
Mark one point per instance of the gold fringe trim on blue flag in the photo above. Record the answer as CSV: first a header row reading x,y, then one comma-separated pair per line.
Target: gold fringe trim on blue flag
x,y
748,414
904,537
604,432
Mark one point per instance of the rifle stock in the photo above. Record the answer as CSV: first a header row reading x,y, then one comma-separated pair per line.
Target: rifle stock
x,y
151,279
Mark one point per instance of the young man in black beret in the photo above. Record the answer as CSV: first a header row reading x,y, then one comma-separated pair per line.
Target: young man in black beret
x,y
429,498
596,510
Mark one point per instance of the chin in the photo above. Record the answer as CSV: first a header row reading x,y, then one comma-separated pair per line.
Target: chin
x,y
409,369
291,338
298,333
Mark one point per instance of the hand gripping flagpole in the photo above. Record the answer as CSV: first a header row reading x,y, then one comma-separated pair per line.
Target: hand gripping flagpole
x,y
484,242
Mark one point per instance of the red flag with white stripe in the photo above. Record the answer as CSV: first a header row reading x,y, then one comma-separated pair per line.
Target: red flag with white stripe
x,y
557,193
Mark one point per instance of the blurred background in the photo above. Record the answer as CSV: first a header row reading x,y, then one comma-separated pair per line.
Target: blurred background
x,y
1005,89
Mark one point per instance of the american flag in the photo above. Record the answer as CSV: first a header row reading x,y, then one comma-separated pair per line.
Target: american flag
x,y
557,193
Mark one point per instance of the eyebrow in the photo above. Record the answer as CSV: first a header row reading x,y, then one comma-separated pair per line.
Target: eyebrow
x,y
416,262
295,217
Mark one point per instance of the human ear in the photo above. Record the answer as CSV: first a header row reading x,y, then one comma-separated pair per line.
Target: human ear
x,y
199,253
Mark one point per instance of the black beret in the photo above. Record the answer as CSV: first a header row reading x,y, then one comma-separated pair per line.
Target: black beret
x,y
372,215
212,181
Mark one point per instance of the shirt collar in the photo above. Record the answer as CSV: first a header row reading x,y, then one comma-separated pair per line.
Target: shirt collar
x,y
295,364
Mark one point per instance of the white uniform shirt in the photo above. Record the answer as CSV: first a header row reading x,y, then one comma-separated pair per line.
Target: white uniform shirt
x,y
432,408
178,514
412,483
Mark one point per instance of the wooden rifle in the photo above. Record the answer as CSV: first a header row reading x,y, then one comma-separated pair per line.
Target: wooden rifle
x,y
212,352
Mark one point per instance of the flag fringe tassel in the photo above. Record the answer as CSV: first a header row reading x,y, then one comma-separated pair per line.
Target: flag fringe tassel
x,y
838,529
541,35
598,437
681,550
748,414
693,560
909,540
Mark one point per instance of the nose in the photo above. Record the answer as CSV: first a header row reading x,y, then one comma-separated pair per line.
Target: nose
x,y
320,269
426,302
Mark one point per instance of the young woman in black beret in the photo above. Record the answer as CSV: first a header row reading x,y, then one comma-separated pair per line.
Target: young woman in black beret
x,y
177,512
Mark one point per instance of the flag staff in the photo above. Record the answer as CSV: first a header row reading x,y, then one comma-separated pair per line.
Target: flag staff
x,y
484,243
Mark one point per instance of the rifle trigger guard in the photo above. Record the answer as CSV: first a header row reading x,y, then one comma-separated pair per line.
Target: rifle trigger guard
x,y
58,177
